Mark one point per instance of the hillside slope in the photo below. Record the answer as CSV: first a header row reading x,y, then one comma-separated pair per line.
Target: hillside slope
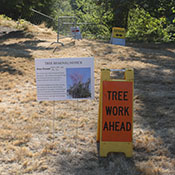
x,y
32,142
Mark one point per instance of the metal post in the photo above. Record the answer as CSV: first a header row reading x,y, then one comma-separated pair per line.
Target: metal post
x,y
58,32
53,122
58,29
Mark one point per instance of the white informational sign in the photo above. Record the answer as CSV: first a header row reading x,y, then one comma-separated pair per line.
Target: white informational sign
x,y
64,78
76,33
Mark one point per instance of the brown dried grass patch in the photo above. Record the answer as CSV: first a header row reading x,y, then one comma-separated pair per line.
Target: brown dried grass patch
x,y
148,141
22,153
148,168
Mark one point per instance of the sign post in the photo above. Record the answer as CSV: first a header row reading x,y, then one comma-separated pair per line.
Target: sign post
x,y
115,121
64,79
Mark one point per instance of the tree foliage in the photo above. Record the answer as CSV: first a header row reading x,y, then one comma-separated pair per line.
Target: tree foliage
x,y
142,26
97,20
21,8
157,8
144,19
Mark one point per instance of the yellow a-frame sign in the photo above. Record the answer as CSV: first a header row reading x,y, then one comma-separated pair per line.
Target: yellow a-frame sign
x,y
115,120
118,32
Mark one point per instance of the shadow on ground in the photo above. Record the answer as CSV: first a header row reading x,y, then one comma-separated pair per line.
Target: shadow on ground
x,y
155,91
6,67
90,163
154,87
22,48
14,33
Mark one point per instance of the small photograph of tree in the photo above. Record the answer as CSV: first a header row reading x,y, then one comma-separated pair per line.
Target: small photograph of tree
x,y
78,82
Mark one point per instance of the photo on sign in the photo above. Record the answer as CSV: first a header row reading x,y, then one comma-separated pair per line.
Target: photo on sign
x,y
78,82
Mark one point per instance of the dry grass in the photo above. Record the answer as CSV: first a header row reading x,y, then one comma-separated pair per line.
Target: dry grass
x,y
7,22
30,145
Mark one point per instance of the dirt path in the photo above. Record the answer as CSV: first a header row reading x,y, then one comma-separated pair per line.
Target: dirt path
x,y
27,143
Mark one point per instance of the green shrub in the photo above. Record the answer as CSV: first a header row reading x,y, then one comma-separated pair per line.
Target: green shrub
x,y
143,27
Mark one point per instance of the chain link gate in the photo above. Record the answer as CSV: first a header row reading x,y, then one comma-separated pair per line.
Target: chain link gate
x,y
62,25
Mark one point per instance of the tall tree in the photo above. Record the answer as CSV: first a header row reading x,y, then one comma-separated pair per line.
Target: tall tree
x,y
157,8
119,9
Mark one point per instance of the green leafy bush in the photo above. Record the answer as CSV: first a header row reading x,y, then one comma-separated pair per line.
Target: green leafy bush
x,y
143,27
